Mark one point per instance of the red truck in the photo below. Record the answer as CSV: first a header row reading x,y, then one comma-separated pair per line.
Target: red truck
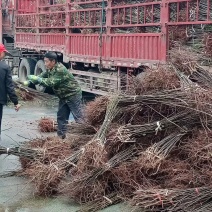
x,y
99,40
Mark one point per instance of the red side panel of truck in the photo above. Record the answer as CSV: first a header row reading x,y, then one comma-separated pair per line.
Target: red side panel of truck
x,y
111,32
41,25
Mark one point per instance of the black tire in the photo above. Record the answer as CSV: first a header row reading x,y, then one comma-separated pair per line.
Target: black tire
x,y
27,67
40,68
141,77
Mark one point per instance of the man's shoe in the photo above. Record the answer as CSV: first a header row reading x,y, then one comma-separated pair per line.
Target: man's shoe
x,y
62,136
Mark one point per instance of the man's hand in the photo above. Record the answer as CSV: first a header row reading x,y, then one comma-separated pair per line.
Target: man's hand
x,y
26,83
17,107
34,79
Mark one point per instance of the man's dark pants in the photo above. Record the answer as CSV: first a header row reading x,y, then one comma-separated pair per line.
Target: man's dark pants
x,y
1,113
72,105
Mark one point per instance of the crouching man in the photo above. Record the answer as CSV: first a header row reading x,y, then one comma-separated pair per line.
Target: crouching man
x,y
65,87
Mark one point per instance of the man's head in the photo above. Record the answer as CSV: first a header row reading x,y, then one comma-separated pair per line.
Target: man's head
x,y
50,59
3,51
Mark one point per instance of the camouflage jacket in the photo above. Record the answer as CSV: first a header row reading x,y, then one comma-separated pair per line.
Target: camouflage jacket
x,y
61,81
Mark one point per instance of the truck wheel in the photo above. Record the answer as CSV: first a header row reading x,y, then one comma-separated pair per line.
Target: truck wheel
x,y
142,76
27,67
40,68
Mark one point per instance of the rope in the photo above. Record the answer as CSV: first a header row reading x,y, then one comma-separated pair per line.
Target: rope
x,y
134,98
158,128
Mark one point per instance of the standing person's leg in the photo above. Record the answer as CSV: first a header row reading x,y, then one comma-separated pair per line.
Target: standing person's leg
x,y
62,118
1,113
75,105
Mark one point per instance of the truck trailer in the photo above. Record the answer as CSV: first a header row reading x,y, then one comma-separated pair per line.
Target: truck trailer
x,y
102,42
